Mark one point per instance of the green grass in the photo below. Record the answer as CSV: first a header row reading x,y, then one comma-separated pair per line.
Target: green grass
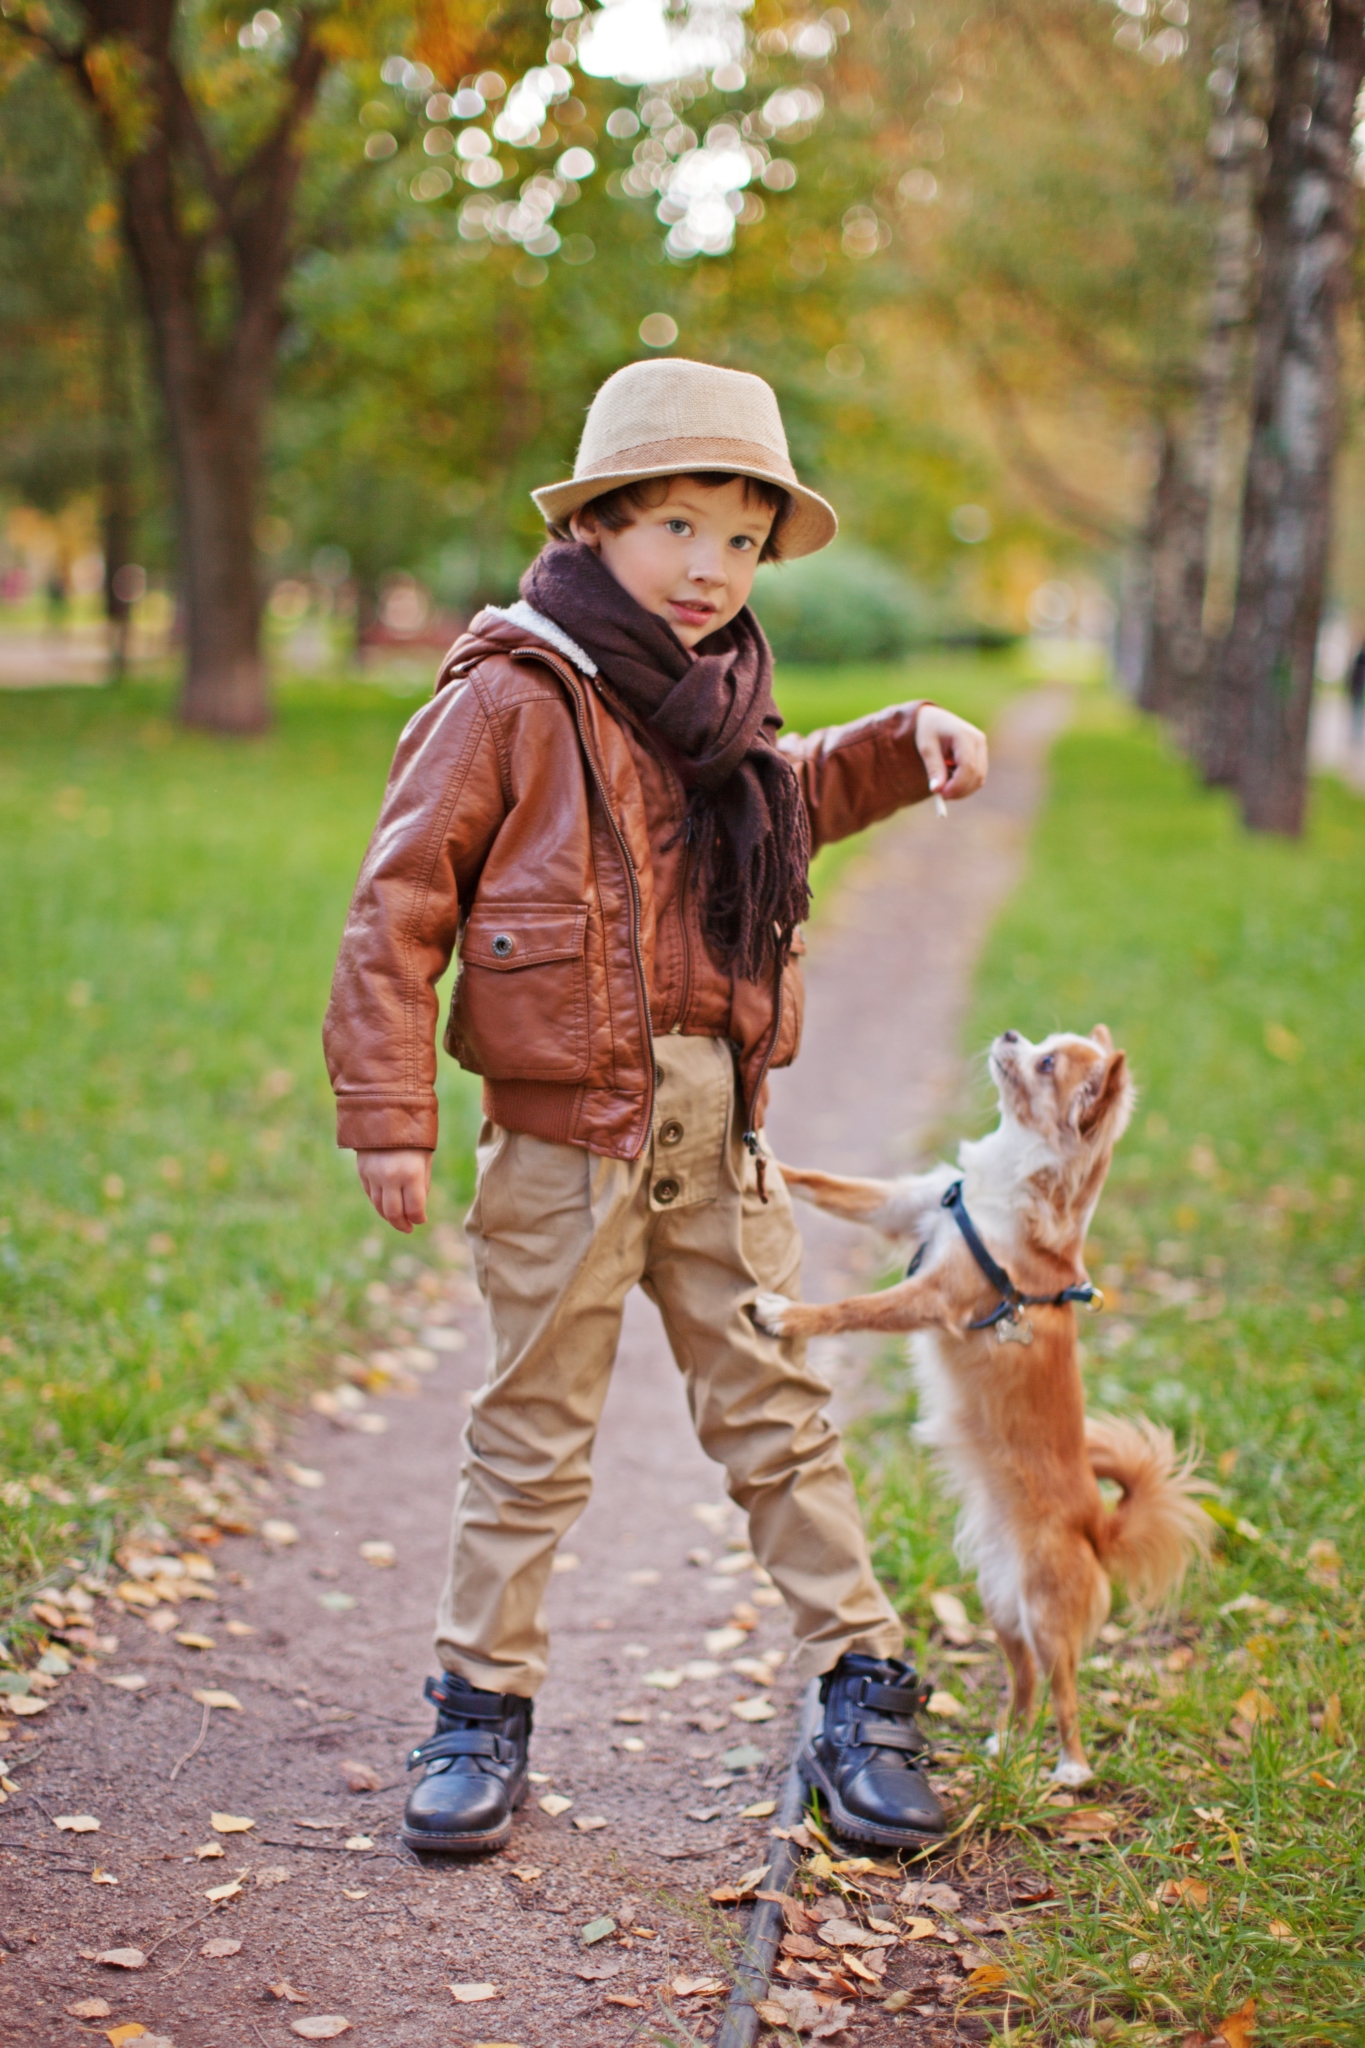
x,y
179,1238
1228,1241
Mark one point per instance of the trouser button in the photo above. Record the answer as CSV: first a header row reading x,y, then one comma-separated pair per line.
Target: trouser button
x,y
665,1191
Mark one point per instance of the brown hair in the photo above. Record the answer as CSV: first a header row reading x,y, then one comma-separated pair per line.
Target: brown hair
x,y
617,509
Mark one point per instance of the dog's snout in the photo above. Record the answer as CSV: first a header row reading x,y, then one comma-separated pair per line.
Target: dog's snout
x,y
1009,1037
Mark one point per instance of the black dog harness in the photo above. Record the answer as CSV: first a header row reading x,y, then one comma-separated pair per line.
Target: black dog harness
x,y
1012,1300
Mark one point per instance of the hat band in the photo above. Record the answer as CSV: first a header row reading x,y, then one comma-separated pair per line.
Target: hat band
x,y
690,452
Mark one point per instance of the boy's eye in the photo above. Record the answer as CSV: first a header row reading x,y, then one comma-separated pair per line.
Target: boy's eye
x,y
679,526
741,541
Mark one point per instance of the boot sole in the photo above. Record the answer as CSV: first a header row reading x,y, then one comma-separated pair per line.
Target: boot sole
x,y
852,1825
483,1844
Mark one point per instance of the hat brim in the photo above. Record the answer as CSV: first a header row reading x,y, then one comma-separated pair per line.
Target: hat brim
x,y
810,526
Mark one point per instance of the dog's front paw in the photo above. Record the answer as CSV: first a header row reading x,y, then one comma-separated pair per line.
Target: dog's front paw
x,y
1072,1771
772,1313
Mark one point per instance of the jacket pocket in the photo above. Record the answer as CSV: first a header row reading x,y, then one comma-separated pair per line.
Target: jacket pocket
x,y
520,1008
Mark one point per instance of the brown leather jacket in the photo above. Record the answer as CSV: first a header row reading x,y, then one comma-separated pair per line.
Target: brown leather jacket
x,y
529,823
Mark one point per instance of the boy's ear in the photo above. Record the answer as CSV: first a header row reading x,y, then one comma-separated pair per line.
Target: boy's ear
x,y
583,526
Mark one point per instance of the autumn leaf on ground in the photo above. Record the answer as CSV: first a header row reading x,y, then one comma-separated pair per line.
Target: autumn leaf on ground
x,y
1255,1706
918,1930
131,2030
188,1640
285,1991
274,1873
984,1978
759,1810
324,2027
597,1930
126,1681
222,1892
622,1998
472,1994
380,1555
98,1876
122,1958
281,1535
697,1987
527,1872
939,1898
76,1823
208,1850
1235,2031
230,1823
588,1824
89,2009
753,1710
208,1696
357,1843
1183,1891
554,1803
221,1945
596,1973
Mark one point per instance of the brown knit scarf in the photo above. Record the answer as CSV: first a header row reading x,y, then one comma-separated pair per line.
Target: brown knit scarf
x,y
713,708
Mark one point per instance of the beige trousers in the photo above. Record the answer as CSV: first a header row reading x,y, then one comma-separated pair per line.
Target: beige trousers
x,y
560,1236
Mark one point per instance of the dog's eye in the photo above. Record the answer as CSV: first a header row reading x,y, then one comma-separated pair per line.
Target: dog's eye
x,y
1046,1064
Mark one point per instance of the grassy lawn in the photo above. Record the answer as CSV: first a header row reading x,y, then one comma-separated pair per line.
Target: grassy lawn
x,y
179,1238
1226,1738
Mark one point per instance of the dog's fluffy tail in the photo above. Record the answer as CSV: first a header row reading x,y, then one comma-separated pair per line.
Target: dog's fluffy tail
x,y
1150,1536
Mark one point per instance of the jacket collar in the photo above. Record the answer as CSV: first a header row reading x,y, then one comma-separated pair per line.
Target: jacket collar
x,y
526,619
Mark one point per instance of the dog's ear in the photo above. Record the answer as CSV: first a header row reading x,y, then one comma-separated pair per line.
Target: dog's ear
x,y
1109,1097
1102,1037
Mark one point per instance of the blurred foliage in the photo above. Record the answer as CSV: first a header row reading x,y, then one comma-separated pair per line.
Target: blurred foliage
x,y
845,604
984,282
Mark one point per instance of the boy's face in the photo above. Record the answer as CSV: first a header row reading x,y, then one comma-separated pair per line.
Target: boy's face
x,y
689,559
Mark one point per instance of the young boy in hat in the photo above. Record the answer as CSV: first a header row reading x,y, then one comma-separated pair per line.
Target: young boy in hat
x,y
596,810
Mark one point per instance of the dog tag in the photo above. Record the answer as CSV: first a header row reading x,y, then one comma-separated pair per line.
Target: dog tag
x,y
1007,1332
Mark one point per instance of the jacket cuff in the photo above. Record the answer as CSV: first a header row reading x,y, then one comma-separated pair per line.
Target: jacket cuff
x,y
386,1126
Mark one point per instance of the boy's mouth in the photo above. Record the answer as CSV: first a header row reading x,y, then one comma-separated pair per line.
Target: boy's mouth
x,y
691,611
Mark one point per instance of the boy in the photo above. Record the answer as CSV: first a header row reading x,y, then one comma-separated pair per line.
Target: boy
x,y
595,807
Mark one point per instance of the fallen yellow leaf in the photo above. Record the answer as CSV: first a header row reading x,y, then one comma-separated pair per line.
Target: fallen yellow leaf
x,y
753,1710
188,1640
918,1930
208,1850
697,1987
325,2027
129,2031
98,1876
760,1809
208,1696
232,1890
76,1823
946,1705
230,1823
554,1803
984,1978
1254,1706
1280,1930
122,1959
1183,1891
472,1994
89,2009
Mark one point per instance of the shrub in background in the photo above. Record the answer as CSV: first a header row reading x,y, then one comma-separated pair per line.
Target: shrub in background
x,y
844,604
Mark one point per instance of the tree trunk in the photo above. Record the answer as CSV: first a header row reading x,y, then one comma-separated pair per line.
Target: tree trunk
x,y
210,247
1307,219
1180,648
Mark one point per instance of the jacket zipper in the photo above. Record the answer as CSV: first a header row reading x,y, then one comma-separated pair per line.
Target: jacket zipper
x,y
567,676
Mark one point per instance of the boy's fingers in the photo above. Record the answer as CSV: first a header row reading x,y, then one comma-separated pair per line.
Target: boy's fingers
x,y
931,753
415,1203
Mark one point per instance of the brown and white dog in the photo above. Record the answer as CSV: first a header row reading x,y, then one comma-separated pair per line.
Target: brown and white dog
x,y
1002,1406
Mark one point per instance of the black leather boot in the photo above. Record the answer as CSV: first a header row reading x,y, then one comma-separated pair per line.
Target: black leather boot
x,y
866,1758
473,1770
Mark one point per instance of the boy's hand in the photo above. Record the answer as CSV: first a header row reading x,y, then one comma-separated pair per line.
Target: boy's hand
x,y
397,1183
953,752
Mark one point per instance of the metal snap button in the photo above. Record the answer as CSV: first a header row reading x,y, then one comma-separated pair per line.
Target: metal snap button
x,y
671,1132
504,945
665,1191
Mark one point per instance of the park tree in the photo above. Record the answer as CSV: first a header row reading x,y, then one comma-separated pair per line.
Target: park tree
x,y
202,117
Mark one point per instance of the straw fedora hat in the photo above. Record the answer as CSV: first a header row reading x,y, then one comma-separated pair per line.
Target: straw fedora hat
x,y
670,416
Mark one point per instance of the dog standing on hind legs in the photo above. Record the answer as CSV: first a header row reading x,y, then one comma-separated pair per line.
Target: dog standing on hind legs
x,y
990,1295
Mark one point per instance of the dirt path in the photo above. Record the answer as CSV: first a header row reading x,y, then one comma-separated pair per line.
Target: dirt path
x,y
660,1741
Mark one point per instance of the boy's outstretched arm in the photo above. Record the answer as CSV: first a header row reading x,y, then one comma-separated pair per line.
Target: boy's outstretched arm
x,y
855,775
